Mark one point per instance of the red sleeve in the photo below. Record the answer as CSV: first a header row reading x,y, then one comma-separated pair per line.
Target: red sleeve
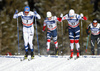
x,y
59,19
84,18
44,28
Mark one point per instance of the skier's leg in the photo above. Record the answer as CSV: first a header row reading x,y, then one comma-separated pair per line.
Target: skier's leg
x,y
48,41
71,47
77,35
56,45
77,47
98,45
71,37
31,35
55,41
31,44
25,36
92,44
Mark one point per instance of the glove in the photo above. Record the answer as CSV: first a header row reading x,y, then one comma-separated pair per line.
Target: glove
x,y
88,32
61,15
43,31
81,15
35,12
16,11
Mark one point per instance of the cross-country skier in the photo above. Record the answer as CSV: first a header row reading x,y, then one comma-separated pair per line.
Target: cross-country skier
x,y
95,35
27,17
74,29
51,22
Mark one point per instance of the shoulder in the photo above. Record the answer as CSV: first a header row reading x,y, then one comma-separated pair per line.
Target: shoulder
x,y
21,12
91,24
46,19
31,12
77,16
66,15
54,17
98,24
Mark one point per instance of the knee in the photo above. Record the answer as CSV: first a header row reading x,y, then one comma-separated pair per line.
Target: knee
x,y
76,41
71,41
55,42
25,43
48,40
55,39
30,43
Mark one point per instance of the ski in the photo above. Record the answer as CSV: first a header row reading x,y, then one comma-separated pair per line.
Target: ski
x,y
90,56
22,59
29,59
76,58
69,58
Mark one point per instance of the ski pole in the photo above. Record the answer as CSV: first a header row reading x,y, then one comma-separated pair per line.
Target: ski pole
x,y
61,15
62,38
37,36
87,43
81,35
18,35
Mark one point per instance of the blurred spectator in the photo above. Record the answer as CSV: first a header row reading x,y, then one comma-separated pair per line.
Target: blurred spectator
x,y
8,54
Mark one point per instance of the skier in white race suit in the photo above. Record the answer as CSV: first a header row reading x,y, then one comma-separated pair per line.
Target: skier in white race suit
x,y
27,17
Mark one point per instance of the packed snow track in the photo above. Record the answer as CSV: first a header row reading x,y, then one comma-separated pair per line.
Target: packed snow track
x,y
50,63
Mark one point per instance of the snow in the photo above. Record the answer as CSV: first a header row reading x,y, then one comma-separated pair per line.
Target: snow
x,y
50,63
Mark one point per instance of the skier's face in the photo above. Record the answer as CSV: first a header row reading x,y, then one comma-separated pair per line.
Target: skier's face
x,y
94,24
49,18
26,12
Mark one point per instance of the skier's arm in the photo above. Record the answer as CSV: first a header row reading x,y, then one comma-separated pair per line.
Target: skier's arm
x,y
61,18
44,26
57,18
16,14
87,30
37,15
83,17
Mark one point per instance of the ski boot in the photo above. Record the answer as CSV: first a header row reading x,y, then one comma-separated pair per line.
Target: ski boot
x,y
71,56
56,51
26,55
48,52
77,53
32,55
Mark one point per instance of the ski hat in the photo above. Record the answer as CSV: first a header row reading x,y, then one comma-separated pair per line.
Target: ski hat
x,y
71,12
27,8
94,20
49,14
